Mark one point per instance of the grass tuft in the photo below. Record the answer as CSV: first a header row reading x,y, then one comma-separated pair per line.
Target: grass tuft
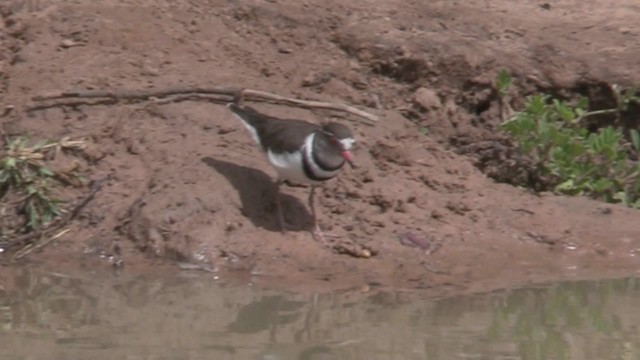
x,y
29,183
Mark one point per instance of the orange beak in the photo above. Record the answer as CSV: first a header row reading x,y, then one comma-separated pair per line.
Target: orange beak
x,y
347,156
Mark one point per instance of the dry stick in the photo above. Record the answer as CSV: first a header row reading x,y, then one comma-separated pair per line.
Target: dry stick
x,y
261,95
72,103
185,97
27,249
184,93
140,94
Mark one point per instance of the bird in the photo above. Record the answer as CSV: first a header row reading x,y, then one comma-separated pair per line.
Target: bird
x,y
301,152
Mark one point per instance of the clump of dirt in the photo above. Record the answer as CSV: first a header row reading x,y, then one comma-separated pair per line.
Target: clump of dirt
x,y
186,182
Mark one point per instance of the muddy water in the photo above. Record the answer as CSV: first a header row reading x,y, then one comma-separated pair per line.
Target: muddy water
x,y
190,315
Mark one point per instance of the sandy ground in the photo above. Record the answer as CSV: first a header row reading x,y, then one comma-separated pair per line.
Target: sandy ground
x,y
186,183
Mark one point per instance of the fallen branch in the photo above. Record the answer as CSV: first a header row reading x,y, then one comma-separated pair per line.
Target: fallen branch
x,y
261,95
139,94
216,93
30,238
72,103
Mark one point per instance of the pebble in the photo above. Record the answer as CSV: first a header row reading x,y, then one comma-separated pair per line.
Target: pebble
x,y
427,99
67,43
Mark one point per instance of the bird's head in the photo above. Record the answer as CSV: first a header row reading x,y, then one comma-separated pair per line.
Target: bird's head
x,y
341,138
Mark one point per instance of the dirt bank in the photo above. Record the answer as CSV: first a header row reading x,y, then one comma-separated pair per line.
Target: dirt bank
x,y
185,181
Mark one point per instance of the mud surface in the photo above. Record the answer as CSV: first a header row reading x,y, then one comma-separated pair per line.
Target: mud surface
x,y
184,181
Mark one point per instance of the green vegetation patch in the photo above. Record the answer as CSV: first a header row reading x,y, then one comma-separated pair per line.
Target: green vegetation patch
x,y
602,164
27,184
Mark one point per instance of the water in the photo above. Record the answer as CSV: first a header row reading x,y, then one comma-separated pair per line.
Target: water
x,y
190,315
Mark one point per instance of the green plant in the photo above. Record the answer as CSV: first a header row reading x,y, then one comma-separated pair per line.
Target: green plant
x,y
502,85
25,177
503,82
575,161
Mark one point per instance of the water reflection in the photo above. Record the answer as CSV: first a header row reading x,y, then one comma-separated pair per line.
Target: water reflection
x,y
46,315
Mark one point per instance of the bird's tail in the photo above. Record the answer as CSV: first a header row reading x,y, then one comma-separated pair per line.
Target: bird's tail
x,y
247,114
250,118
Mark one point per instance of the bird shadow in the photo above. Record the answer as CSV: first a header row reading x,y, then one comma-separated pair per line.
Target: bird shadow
x,y
257,192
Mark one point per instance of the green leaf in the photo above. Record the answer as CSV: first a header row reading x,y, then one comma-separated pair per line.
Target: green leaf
x,y
635,139
31,190
582,104
45,171
9,162
620,196
565,186
537,105
565,112
543,131
600,185
503,82
629,97
32,215
4,176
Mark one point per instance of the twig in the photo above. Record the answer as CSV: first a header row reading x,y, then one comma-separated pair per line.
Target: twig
x,y
216,93
185,97
596,112
72,103
524,211
27,249
261,95
430,269
141,94
189,266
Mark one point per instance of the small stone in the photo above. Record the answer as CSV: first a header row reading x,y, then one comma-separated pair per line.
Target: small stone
x,y
67,43
427,99
8,109
605,210
267,72
148,70
316,79
436,214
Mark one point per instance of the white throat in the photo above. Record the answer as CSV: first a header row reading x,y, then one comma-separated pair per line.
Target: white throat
x,y
348,143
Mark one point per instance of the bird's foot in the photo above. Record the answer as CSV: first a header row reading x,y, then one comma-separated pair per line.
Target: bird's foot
x,y
320,236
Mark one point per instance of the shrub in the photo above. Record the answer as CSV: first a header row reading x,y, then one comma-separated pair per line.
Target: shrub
x,y
601,164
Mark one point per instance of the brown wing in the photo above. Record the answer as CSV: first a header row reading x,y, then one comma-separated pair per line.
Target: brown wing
x,y
277,135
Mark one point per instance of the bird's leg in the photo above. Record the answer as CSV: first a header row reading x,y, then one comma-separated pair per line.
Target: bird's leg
x,y
318,235
283,225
